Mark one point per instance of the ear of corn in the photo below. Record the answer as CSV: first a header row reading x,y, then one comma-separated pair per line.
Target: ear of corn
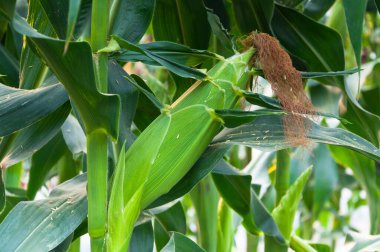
x,y
192,126
129,183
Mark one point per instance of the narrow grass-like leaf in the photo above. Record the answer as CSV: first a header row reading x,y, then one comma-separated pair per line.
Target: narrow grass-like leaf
x,y
267,133
180,243
74,8
45,222
130,181
20,108
29,140
171,65
178,53
285,212
326,74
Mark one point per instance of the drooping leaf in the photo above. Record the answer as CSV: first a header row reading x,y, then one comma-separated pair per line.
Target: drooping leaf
x,y
173,219
24,143
171,65
254,15
142,238
129,19
285,212
296,32
237,191
180,243
267,133
220,32
46,222
355,11
183,22
70,71
178,53
21,108
233,118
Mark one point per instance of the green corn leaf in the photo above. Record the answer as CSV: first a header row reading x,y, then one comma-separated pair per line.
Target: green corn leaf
x,y
98,111
355,12
42,162
129,19
130,180
33,70
325,177
74,136
45,222
9,68
183,22
118,84
21,108
74,8
173,219
365,173
233,118
171,65
174,52
296,32
285,212
7,9
267,133
24,143
365,242
238,193
254,15
326,74
317,8
142,239
180,243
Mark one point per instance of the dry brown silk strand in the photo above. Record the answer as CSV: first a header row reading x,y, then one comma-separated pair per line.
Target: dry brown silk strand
x,y
286,83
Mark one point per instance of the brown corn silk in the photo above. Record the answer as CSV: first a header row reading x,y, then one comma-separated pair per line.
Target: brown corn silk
x,y
286,83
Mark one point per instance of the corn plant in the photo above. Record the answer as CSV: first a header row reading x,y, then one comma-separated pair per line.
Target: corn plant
x,y
163,125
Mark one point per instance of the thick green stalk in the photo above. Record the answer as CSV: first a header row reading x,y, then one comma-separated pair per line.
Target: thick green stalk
x,y
99,31
97,188
225,227
204,192
299,245
282,174
97,141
